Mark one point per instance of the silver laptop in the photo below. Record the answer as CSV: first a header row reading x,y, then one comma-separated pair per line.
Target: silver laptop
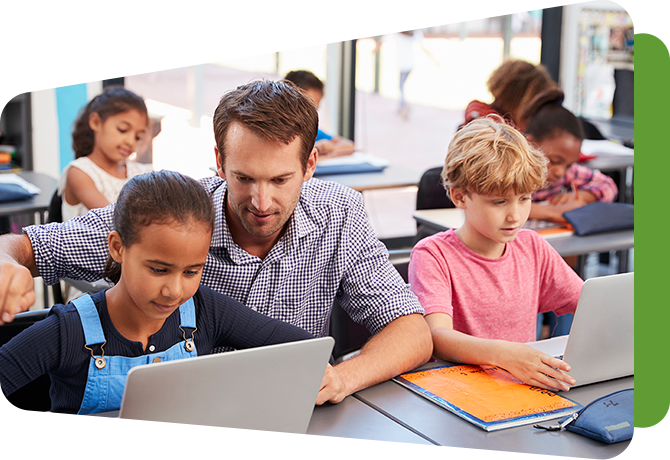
x,y
601,341
271,388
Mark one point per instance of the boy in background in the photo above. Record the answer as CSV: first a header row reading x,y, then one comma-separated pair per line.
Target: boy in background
x,y
482,285
327,145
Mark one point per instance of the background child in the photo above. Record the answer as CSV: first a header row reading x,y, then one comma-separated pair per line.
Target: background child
x,y
163,227
106,133
513,85
483,284
327,145
558,133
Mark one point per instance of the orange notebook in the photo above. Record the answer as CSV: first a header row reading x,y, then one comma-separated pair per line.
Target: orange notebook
x,y
549,229
487,396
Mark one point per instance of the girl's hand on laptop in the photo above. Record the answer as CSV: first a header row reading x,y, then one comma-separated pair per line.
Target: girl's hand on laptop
x,y
45,431
534,367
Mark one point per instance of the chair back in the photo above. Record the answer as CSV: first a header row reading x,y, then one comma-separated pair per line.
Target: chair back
x,y
35,395
623,101
55,208
431,193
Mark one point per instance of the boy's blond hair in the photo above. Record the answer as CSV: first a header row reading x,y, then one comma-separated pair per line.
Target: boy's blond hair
x,y
489,157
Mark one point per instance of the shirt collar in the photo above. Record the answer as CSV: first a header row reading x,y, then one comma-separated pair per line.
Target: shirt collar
x,y
300,224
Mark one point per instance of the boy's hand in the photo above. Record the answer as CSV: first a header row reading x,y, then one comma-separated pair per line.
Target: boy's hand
x,y
17,290
45,431
534,367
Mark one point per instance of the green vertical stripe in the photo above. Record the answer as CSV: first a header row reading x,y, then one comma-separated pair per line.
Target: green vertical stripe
x,y
652,224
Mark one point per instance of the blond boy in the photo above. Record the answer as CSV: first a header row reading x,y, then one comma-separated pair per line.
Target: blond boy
x,y
483,284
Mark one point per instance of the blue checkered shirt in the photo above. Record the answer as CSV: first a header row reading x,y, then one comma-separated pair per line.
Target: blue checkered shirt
x,y
329,250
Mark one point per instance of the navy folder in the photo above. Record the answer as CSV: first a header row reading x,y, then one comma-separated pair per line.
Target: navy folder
x,y
347,168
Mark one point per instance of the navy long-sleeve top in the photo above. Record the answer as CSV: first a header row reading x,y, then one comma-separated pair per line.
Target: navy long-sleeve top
x,y
55,345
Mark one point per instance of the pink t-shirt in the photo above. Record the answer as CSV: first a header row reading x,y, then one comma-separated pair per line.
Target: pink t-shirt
x,y
493,298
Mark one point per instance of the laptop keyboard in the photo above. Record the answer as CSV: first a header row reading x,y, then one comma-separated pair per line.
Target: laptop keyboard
x,y
102,450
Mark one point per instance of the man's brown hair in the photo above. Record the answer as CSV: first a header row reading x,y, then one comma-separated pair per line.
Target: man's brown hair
x,y
274,110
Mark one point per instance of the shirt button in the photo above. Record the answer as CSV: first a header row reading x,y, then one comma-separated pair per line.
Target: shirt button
x,y
151,348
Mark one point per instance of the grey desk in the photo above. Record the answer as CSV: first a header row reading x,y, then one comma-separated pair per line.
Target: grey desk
x,y
349,430
620,128
38,204
443,219
466,441
392,176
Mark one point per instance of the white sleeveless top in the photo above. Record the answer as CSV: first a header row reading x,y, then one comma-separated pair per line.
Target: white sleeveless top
x,y
108,185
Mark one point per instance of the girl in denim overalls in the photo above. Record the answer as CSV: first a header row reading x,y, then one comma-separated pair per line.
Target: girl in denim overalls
x,y
155,312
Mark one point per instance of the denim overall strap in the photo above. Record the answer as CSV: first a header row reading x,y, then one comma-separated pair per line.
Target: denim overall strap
x,y
105,385
89,320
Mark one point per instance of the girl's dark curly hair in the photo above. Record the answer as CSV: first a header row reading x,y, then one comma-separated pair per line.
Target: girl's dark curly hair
x,y
113,100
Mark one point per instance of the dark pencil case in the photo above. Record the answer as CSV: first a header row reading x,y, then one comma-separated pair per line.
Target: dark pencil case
x,y
600,218
608,419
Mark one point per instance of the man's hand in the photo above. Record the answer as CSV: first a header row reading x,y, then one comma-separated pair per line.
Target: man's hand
x,y
402,345
333,388
17,268
45,431
534,367
17,291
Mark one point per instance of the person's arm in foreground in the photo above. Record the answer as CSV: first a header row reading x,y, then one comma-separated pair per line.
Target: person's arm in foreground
x,y
17,268
402,345
22,359
524,362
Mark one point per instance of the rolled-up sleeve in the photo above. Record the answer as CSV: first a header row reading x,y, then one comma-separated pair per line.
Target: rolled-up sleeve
x,y
373,292
75,249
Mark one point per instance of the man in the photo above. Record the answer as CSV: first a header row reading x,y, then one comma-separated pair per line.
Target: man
x,y
283,244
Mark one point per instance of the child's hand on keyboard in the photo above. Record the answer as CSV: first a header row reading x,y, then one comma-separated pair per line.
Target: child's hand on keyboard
x,y
534,367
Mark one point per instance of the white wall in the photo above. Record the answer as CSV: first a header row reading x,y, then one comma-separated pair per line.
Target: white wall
x,y
570,44
43,89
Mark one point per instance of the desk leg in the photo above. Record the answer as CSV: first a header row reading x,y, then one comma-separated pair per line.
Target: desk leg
x,y
46,295
623,260
581,264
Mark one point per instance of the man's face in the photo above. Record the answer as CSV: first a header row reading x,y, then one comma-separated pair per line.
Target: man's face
x,y
264,184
